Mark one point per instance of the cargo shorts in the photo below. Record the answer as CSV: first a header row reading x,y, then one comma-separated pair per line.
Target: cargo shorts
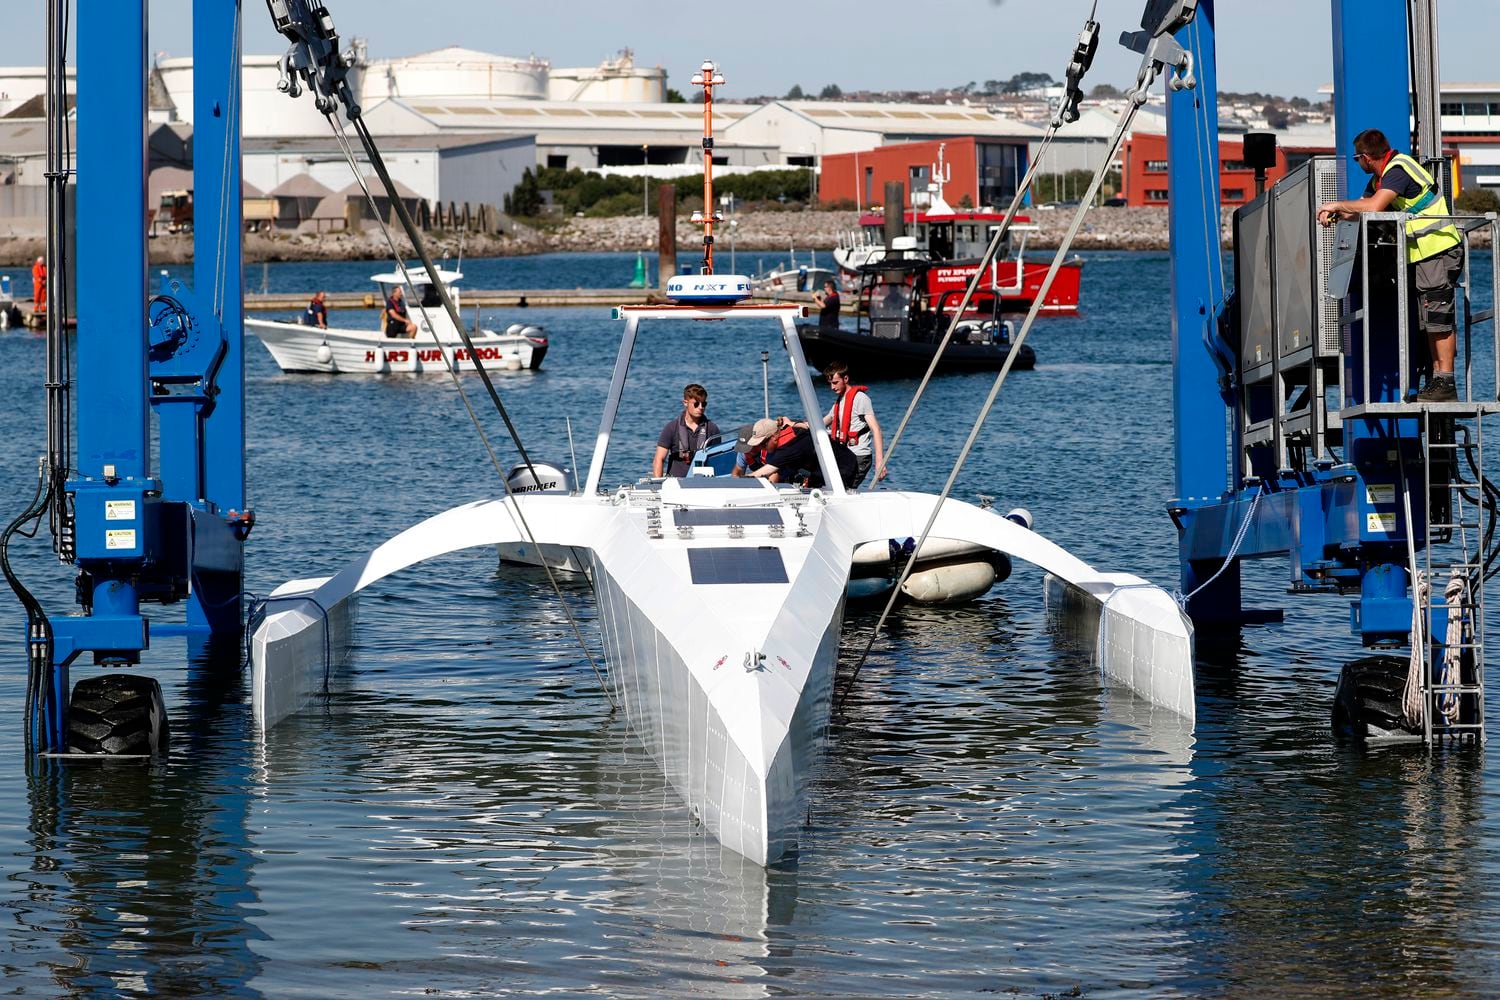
x,y
1436,279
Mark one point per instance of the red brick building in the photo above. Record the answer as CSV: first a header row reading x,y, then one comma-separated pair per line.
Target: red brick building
x,y
983,171
1144,169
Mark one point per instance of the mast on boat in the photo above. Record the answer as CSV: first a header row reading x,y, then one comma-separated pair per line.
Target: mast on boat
x,y
708,77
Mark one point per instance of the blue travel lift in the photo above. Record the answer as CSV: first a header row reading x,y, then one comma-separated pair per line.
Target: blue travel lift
x,y
1297,433
139,531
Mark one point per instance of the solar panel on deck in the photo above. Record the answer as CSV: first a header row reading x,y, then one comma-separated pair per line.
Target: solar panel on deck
x,y
720,516
720,483
737,565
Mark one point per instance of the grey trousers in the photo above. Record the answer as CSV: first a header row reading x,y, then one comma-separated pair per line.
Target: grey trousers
x,y
1435,281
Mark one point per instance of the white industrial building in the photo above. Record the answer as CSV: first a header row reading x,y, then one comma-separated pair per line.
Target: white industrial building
x,y
805,131
588,136
1471,126
480,169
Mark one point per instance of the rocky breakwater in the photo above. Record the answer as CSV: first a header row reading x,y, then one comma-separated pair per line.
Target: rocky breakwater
x,y
762,233
765,233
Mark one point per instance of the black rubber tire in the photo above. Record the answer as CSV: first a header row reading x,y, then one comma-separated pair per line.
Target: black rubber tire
x,y
1367,703
117,714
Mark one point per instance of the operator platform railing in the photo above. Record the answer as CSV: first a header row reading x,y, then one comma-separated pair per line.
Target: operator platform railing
x,y
1382,237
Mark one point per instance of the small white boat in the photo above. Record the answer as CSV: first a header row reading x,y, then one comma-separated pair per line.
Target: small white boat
x,y
436,345
11,317
793,275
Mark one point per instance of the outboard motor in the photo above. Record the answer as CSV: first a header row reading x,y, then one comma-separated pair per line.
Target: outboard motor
x,y
549,478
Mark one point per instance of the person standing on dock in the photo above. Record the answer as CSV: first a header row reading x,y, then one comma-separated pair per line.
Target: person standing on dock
x,y
851,421
684,434
39,287
397,320
317,311
828,305
1434,249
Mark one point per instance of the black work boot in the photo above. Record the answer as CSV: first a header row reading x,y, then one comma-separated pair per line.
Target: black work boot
x,y
1440,389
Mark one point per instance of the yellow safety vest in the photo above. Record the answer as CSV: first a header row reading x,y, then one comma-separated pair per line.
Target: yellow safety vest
x,y
1425,236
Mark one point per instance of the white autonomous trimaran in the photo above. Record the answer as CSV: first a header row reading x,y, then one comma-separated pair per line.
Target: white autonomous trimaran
x,y
720,603
720,598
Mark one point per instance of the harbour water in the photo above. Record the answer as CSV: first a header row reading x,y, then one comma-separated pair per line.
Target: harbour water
x,y
463,815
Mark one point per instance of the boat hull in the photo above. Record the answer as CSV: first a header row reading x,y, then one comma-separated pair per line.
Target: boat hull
x,y
875,357
305,349
751,797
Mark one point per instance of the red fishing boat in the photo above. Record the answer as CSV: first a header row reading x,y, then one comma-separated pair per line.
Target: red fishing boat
x,y
958,237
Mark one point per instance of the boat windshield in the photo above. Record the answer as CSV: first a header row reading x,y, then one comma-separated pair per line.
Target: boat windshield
x,y
890,300
427,295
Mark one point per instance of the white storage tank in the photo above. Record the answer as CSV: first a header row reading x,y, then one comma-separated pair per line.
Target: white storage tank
x,y
267,112
614,81
456,72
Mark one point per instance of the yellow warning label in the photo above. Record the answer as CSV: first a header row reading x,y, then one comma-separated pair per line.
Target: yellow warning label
x,y
120,538
119,510
1377,493
1380,522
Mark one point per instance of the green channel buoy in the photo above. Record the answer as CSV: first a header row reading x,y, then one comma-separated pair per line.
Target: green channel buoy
x,y
639,281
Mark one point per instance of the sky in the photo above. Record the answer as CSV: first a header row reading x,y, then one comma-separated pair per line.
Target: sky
x,y
1274,46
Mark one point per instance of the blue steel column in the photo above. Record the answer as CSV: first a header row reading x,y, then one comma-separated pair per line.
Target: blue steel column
x,y
218,264
1370,90
111,342
1370,80
110,485
1202,442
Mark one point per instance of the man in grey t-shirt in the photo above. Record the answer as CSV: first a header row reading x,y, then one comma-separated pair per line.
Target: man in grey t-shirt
x,y
684,434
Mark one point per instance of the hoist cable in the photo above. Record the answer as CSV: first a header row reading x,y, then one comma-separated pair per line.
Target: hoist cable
x,y
1126,117
514,507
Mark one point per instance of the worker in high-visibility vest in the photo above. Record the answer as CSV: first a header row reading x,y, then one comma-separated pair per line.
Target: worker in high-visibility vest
x,y
1434,248
39,287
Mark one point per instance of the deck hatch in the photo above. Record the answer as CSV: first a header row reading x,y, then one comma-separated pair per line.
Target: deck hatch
x,y
737,565
718,517
720,483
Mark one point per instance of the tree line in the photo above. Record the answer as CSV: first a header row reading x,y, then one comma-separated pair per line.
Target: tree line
x,y
574,191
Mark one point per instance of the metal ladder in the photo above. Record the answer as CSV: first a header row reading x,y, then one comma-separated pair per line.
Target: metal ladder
x,y
1453,706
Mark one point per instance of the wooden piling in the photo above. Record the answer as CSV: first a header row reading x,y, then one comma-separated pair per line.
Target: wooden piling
x,y
666,232
895,211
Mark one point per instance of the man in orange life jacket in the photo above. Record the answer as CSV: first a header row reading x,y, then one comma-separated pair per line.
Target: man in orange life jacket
x,y
39,287
852,421
1434,249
